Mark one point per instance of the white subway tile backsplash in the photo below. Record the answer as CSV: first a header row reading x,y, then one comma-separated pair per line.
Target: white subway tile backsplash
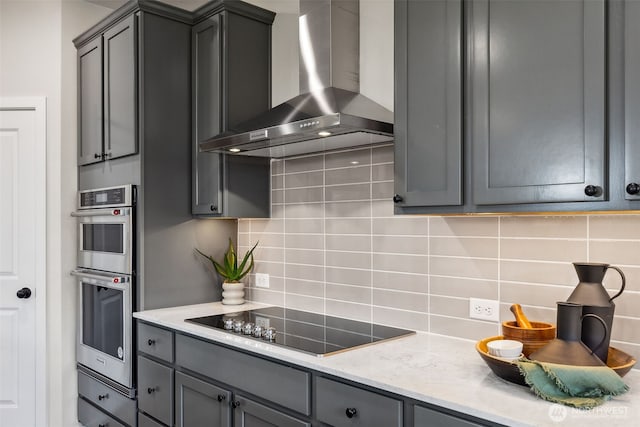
x,y
333,245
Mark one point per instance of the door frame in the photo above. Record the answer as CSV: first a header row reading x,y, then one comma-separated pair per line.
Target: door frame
x,y
39,106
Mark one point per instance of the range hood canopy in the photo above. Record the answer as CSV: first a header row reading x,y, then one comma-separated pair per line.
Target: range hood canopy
x,y
330,113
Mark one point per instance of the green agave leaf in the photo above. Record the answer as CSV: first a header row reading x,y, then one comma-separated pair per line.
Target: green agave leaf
x,y
229,269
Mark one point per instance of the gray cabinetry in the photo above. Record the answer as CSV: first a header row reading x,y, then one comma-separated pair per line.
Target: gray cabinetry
x,y
537,79
632,99
107,94
428,105
156,342
230,83
107,399
155,390
339,404
90,416
429,417
198,403
249,413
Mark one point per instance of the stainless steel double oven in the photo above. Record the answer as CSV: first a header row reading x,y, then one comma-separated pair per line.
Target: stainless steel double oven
x,y
106,284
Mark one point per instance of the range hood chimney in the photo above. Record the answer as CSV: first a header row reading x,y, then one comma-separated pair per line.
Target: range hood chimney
x,y
330,113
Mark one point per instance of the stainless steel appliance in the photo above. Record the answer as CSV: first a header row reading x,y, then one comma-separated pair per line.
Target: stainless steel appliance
x,y
106,285
314,333
105,229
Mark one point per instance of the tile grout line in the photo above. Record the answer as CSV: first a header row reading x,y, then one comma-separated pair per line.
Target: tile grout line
x,y
371,234
499,275
429,274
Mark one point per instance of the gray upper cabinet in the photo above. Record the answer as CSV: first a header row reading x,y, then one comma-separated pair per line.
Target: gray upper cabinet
x,y
428,104
537,101
231,51
107,96
90,102
632,100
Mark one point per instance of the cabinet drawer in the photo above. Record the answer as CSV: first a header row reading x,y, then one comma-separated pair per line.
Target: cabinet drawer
x,y
339,404
107,398
278,383
430,417
155,341
145,421
90,416
155,390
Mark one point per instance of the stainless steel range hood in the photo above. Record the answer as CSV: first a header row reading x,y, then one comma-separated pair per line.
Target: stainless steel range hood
x,y
330,113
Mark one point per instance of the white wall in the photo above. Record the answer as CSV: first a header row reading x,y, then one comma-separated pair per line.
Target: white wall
x,y
37,58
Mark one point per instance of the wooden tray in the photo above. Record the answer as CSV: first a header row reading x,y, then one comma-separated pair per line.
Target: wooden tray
x,y
617,360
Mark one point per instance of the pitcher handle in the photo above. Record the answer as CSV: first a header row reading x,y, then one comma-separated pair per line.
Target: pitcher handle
x,y
624,281
604,325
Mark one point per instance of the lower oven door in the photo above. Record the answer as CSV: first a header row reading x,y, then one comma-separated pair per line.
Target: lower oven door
x,y
105,324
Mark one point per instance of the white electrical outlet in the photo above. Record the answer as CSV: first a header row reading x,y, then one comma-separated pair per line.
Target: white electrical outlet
x,y
262,280
484,309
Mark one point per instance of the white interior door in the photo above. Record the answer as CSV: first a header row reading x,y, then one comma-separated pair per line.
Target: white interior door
x,y
22,261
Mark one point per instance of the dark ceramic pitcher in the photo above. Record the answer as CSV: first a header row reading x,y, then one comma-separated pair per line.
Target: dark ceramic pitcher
x,y
595,300
567,348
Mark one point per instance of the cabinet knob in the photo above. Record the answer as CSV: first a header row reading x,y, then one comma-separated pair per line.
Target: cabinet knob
x,y
633,188
213,208
351,412
397,198
235,403
107,155
97,156
23,293
103,396
151,342
221,397
103,425
151,390
591,190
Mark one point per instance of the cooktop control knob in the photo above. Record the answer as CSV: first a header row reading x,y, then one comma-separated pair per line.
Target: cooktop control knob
x,y
258,331
228,324
270,334
238,325
247,329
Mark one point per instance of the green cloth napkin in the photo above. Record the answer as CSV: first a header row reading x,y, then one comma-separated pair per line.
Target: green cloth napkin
x,y
582,387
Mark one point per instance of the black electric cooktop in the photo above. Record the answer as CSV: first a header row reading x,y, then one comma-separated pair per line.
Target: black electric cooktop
x,y
313,333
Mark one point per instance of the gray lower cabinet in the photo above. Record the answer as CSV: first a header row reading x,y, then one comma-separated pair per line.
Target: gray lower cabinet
x,y
248,413
155,390
146,421
107,100
230,83
426,417
90,416
106,399
198,403
339,405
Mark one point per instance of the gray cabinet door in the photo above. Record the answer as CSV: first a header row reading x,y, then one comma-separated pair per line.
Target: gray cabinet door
x,y
428,105
632,99
537,101
90,102
155,390
423,417
120,89
207,114
198,403
248,413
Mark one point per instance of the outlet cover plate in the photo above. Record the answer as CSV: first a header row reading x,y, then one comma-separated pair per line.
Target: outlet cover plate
x,y
484,309
262,280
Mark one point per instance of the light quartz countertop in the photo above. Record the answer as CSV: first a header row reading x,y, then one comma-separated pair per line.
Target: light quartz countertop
x,y
436,369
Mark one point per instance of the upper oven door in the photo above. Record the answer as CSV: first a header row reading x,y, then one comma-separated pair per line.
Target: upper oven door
x,y
105,239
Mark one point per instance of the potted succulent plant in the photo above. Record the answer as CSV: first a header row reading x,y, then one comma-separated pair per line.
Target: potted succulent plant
x,y
233,287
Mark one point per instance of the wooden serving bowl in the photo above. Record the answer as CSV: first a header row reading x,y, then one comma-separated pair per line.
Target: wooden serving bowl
x,y
617,360
531,338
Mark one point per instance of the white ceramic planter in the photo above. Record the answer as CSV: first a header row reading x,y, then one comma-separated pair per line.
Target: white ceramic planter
x,y
232,293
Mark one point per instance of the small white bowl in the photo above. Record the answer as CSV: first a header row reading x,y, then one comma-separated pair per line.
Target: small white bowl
x,y
508,349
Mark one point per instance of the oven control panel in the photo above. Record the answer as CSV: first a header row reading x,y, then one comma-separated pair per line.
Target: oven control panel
x,y
106,197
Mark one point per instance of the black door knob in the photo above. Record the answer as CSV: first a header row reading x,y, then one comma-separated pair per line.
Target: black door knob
x,y
221,397
633,188
235,404
24,293
591,190
351,412
97,156
151,342
151,390
103,396
213,208
397,198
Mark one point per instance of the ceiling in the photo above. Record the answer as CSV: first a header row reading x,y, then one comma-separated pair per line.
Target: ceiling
x,y
278,6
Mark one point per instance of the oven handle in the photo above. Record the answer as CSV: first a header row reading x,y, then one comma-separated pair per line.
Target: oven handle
x,y
102,212
110,280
